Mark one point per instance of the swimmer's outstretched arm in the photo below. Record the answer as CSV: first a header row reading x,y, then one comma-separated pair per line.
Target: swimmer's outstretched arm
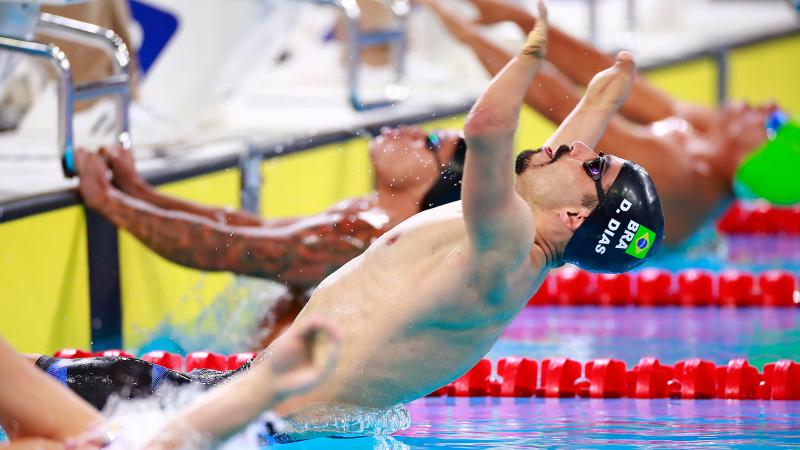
x,y
126,179
603,98
299,254
295,363
35,411
497,219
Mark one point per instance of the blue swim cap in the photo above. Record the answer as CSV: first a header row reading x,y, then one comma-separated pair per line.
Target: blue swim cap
x,y
623,231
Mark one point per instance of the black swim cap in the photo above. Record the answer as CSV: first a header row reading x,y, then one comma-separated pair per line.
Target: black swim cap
x,y
624,230
447,188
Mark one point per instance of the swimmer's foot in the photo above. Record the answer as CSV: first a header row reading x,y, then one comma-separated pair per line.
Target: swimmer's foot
x,y
609,88
302,357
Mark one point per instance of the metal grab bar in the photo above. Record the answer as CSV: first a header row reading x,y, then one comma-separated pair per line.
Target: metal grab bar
x,y
117,85
356,40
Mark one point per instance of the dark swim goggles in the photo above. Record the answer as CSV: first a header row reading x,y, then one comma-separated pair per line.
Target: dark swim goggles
x,y
434,143
594,168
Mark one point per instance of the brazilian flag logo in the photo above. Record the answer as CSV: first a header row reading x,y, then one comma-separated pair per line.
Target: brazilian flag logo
x,y
642,241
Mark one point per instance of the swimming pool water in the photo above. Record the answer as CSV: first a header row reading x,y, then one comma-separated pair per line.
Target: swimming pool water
x,y
672,333
584,333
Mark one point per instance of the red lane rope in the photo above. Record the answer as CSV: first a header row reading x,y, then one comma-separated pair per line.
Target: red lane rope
x,y
758,218
656,287
609,378
693,378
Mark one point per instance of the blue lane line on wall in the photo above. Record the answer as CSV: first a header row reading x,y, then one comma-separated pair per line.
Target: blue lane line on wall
x,y
158,27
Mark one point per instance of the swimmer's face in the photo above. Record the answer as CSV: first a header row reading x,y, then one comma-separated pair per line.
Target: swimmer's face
x,y
557,182
403,161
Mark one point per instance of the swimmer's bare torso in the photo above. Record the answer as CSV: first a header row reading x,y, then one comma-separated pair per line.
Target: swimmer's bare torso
x,y
416,310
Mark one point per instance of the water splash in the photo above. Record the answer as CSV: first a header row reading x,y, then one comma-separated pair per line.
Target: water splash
x,y
134,423
232,323
347,420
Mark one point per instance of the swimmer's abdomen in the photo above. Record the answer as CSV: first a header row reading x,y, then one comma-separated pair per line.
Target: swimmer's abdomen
x,y
407,318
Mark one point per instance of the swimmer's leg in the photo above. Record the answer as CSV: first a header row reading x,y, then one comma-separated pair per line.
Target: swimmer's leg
x,y
34,406
579,61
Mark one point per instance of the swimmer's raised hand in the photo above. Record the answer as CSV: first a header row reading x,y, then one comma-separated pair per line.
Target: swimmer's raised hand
x,y
609,88
536,44
123,168
94,187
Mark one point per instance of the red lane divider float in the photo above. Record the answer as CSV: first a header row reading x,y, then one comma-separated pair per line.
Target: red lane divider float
x,y
72,353
655,287
114,352
239,359
174,361
609,378
564,377
206,360
165,359
760,219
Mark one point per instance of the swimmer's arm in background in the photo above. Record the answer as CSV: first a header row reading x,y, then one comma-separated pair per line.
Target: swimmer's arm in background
x,y
579,61
495,215
301,254
126,179
35,411
550,93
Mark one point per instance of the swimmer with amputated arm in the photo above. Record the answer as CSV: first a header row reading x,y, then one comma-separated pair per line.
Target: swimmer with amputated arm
x,y
431,296
497,218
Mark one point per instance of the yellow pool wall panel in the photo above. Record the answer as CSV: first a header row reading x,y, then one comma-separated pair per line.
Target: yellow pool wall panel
x,y
767,71
45,281
692,81
311,181
154,289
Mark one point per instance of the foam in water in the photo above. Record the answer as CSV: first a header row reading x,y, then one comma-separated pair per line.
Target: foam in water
x,y
134,423
348,420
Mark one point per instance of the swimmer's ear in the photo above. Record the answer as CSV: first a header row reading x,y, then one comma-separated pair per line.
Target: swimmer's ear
x,y
572,218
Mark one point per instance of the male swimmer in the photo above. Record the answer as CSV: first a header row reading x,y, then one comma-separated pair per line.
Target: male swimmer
x,y
414,171
691,151
431,296
37,413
